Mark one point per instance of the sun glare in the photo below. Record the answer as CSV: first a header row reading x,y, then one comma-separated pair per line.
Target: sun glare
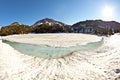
x,y
108,12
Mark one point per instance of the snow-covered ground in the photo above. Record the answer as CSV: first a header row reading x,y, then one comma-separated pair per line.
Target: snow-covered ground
x,y
100,64
58,40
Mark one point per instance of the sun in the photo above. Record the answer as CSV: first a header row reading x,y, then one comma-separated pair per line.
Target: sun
x,y
108,12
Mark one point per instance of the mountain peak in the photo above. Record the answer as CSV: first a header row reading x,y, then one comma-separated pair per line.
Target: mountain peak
x,y
15,24
49,22
48,19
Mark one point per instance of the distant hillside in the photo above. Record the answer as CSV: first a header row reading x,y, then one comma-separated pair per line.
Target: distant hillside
x,y
15,28
47,25
51,26
96,27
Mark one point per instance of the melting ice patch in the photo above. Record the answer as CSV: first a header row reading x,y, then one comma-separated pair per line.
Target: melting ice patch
x,y
51,52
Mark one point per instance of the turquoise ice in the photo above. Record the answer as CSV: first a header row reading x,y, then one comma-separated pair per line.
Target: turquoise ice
x,y
51,52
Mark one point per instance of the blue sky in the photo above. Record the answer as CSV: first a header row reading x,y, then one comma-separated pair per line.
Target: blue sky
x,y
67,11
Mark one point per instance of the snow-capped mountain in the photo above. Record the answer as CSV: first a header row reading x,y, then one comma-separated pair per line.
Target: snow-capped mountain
x,y
51,26
50,22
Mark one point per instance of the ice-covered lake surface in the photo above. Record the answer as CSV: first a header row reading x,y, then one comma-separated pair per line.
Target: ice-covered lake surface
x,y
45,51
102,63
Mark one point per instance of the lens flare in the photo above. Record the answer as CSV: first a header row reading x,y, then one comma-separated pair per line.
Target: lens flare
x,y
108,13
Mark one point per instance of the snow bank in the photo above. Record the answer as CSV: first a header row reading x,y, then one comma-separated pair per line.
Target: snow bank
x,y
92,65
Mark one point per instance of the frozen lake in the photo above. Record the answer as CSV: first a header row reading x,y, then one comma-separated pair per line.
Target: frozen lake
x,y
50,51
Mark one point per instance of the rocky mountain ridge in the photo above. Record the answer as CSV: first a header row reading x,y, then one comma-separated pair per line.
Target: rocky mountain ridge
x,y
48,25
96,27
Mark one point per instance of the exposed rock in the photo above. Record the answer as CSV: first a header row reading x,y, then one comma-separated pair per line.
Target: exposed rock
x,y
117,71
